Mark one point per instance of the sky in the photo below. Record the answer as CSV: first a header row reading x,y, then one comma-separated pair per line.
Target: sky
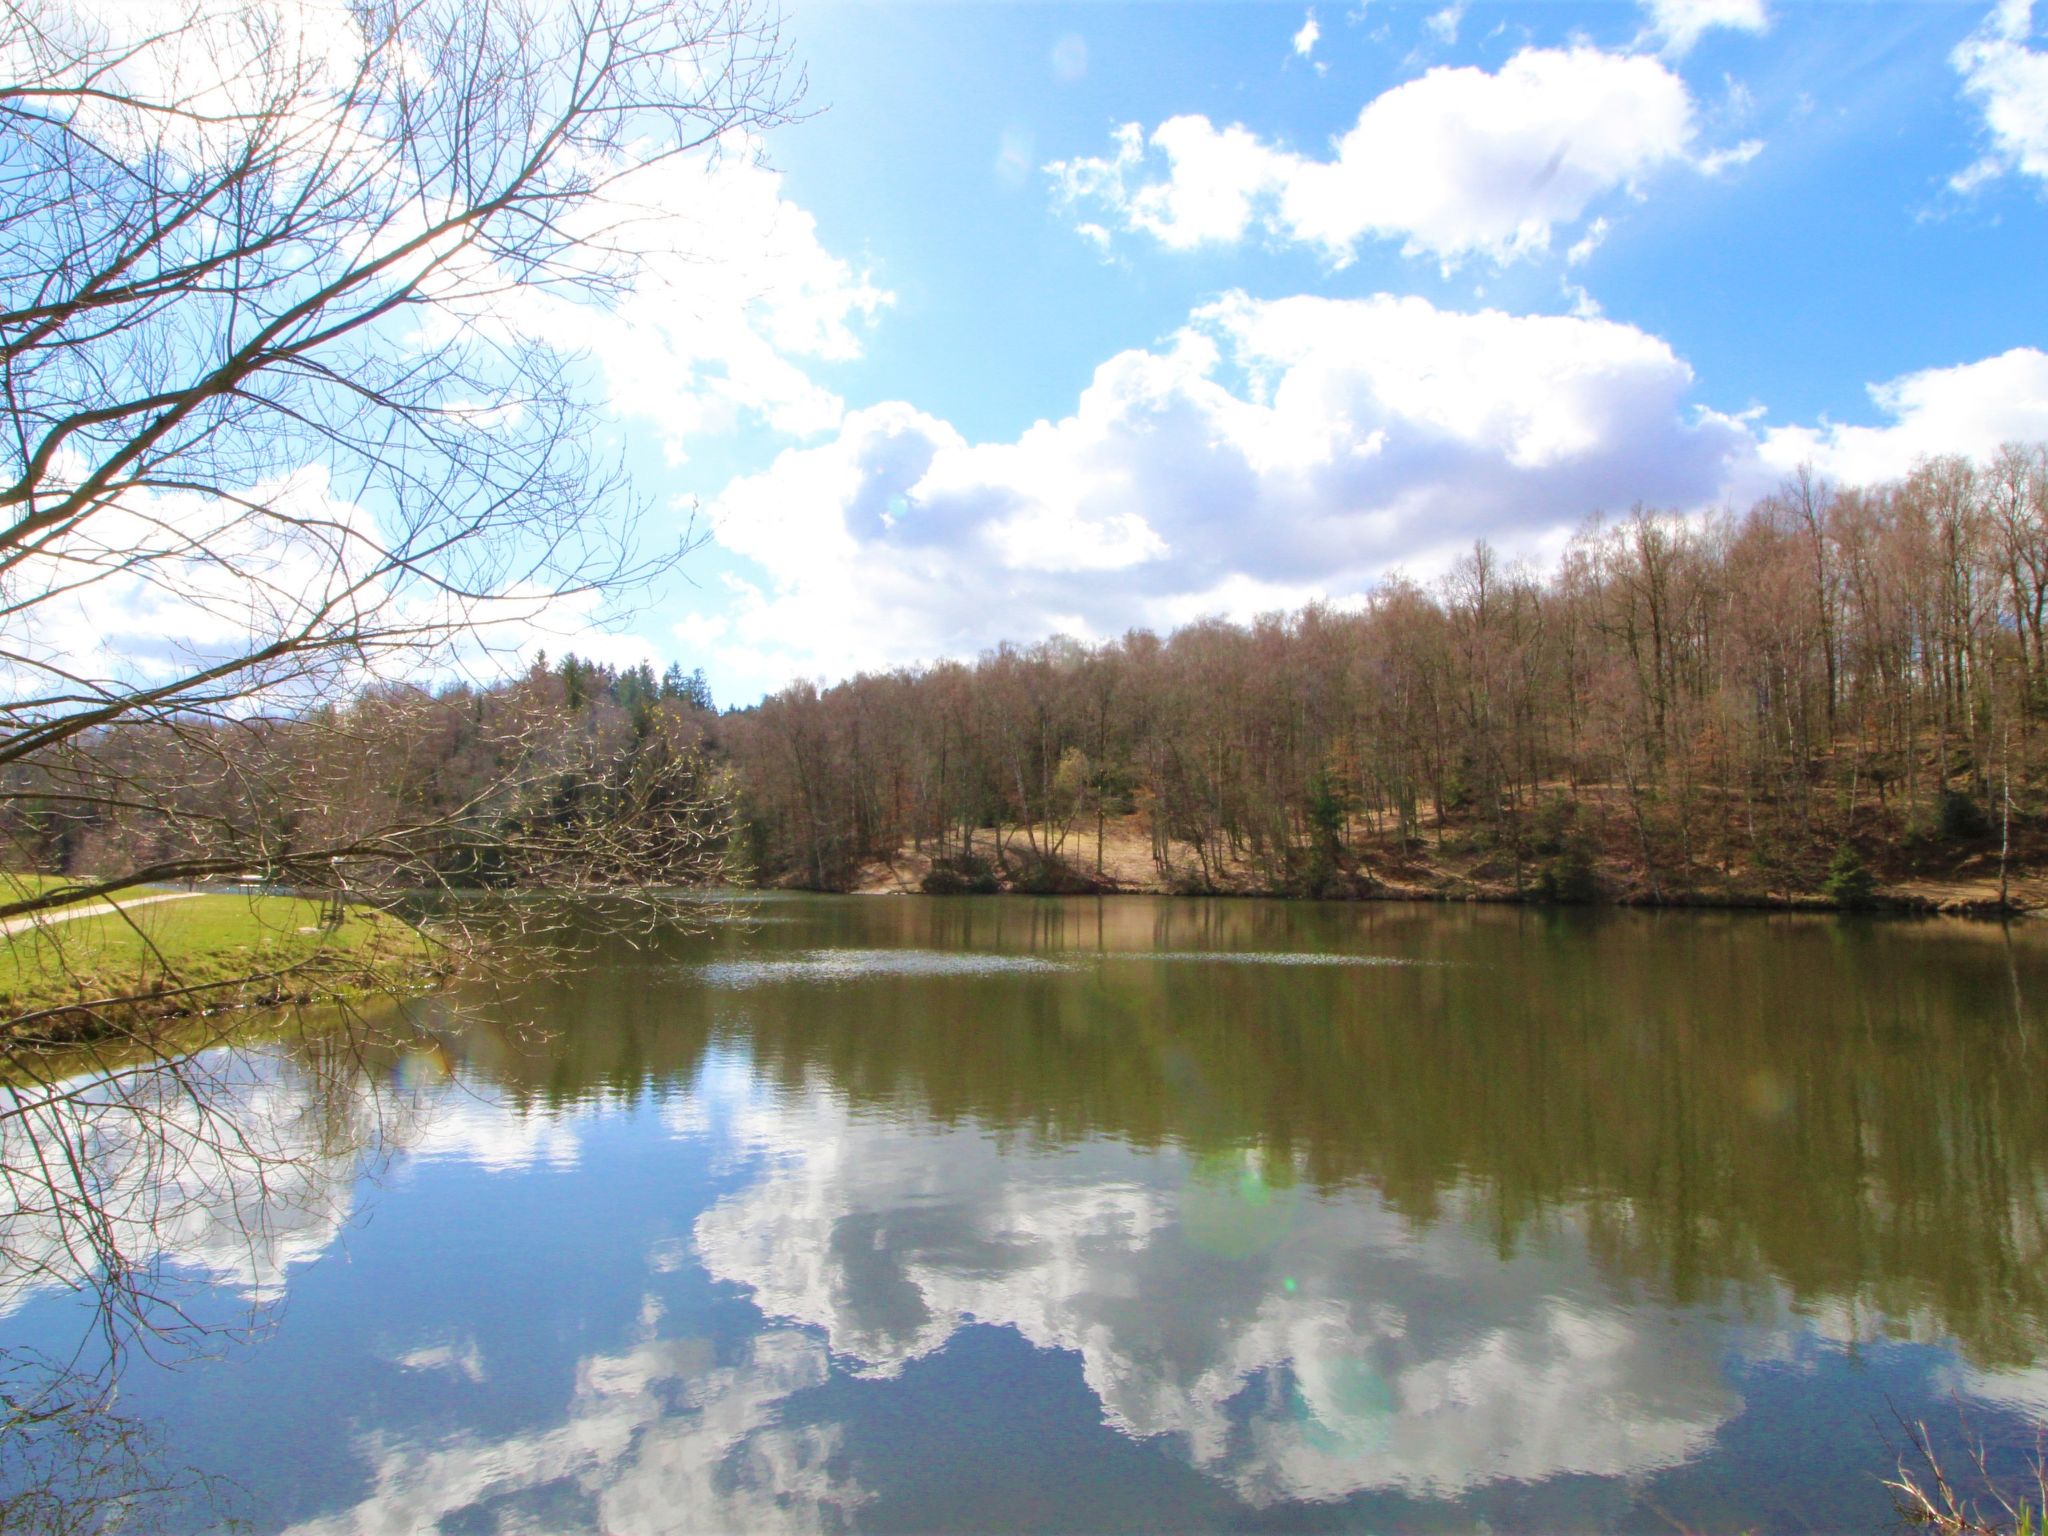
x,y
1043,318
1083,318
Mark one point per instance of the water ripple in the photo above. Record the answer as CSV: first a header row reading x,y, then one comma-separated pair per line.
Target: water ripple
x,y
859,964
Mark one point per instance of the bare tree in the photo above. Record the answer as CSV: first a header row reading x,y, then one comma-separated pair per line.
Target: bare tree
x,y
274,278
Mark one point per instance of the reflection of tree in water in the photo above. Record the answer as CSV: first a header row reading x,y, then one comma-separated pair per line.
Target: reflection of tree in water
x,y
134,1182
1848,1110
70,1464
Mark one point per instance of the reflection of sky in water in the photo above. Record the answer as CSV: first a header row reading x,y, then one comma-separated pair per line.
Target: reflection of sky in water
x,y
656,1437
738,1296
1296,1347
235,1171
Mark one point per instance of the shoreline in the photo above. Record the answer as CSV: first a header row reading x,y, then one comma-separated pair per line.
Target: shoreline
x,y
1883,905
1962,889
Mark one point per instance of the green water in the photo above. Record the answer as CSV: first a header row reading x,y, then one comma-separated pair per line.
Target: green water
x,y
894,1214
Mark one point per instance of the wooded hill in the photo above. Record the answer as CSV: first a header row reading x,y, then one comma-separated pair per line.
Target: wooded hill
x,y
1832,692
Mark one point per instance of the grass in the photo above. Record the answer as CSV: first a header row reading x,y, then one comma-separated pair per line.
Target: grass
x,y
1925,1495
14,885
196,955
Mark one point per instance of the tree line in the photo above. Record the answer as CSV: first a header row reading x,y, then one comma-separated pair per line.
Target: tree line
x,y
1752,701
572,776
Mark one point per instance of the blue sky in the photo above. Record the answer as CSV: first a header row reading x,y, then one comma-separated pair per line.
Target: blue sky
x,y
1086,317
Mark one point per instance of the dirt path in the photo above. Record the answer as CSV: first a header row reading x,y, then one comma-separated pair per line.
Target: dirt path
x,y
15,925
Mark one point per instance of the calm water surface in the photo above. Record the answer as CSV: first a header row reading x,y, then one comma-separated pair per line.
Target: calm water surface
x,y
890,1214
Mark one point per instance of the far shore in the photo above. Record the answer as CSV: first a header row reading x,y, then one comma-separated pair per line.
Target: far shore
x,y
1966,884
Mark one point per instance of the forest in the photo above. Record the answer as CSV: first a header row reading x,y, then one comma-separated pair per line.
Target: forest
x,y
569,777
1839,690
1839,695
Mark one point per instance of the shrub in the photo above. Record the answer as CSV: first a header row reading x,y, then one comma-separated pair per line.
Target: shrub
x,y
1048,874
1565,875
967,874
1568,878
1554,823
1961,818
1850,883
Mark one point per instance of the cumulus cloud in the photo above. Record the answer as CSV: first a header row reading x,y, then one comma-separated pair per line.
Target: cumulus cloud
x,y
2009,83
1269,452
732,294
1679,24
498,1136
1457,163
733,298
1969,409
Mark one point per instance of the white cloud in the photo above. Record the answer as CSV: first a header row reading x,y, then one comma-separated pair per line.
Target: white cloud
x,y
1968,409
732,293
497,1136
1271,452
1456,163
1735,156
1582,250
463,1360
2009,82
730,302
733,297
1443,25
1305,40
1679,24
1268,453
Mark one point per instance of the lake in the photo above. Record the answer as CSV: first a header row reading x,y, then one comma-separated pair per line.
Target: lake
x,y
1128,1214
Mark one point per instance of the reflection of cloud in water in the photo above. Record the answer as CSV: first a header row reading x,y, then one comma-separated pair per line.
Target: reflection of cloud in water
x,y
466,1126
2021,1389
1329,1352
657,1439
232,1167
464,1359
831,965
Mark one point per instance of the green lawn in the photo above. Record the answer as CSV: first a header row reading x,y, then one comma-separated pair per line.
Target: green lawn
x,y
14,886
239,948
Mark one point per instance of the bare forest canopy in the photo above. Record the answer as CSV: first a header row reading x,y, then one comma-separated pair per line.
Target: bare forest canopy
x,y
572,777
1833,691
